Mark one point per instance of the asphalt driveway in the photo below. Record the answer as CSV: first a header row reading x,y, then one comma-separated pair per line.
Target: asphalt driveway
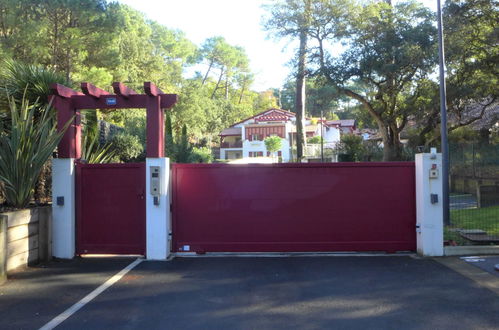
x,y
253,293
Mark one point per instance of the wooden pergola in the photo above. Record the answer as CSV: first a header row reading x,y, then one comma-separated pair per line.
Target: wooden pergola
x,y
69,102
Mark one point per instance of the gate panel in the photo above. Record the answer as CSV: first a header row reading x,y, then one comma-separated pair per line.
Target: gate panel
x,y
294,207
110,208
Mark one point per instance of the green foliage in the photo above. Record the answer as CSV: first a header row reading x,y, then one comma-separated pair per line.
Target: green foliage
x,y
373,152
94,153
91,150
100,42
97,76
463,135
320,97
201,155
472,50
169,142
390,48
126,147
24,150
31,82
183,147
273,143
483,218
315,139
206,116
350,148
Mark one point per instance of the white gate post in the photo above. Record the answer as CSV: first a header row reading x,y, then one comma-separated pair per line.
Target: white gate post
x,y
158,211
63,208
429,209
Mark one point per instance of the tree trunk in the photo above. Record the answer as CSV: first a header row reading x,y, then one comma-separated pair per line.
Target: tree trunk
x,y
218,82
55,42
207,72
300,88
391,144
227,85
241,93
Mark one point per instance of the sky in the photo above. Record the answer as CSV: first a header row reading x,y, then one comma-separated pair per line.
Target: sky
x,y
238,21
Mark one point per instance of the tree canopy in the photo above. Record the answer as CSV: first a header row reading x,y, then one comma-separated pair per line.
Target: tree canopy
x,y
100,42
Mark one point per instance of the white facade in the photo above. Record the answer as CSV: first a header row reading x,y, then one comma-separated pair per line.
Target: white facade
x,y
235,140
259,146
331,135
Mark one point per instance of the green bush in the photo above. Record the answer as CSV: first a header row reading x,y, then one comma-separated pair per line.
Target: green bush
x,y
315,139
350,148
201,155
183,149
273,143
126,147
372,152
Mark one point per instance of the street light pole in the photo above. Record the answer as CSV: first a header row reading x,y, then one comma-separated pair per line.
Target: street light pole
x,y
443,119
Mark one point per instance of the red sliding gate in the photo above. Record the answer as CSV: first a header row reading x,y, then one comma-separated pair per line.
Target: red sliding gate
x,y
294,207
110,208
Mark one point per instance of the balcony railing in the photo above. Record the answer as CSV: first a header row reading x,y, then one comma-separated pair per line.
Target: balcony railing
x,y
238,144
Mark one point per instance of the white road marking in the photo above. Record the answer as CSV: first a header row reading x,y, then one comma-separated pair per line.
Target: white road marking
x,y
89,297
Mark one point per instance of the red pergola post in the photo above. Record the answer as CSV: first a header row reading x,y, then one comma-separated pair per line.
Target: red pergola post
x,y
155,145
70,145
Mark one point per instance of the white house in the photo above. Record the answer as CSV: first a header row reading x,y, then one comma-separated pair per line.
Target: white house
x,y
246,138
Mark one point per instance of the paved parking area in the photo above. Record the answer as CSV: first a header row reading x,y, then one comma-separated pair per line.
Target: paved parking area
x,y
253,293
487,263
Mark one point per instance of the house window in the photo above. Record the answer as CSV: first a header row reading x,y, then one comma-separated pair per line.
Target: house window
x,y
254,137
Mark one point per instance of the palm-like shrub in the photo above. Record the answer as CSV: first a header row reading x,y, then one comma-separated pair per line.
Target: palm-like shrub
x,y
25,148
94,153
25,81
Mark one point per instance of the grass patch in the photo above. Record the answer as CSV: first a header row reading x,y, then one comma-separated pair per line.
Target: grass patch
x,y
486,219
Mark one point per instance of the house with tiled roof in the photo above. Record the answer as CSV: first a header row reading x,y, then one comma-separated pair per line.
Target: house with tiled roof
x,y
245,139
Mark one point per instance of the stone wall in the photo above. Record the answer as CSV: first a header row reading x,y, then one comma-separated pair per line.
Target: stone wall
x,y
27,237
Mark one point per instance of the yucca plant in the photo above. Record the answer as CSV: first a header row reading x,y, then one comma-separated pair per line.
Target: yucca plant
x,y
94,153
91,150
25,148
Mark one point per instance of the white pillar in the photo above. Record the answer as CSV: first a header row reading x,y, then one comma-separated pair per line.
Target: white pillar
x,y
63,208
429,210
158,216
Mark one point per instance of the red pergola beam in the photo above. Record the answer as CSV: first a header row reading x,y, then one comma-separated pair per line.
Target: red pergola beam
x,y
167,101
123,90
151,89
92,90
62,91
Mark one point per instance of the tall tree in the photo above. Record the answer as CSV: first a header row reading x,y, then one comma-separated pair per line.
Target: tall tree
x,y
389,49
470,30
292,18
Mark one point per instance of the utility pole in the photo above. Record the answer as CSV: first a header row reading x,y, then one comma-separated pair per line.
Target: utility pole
x,y
443,119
